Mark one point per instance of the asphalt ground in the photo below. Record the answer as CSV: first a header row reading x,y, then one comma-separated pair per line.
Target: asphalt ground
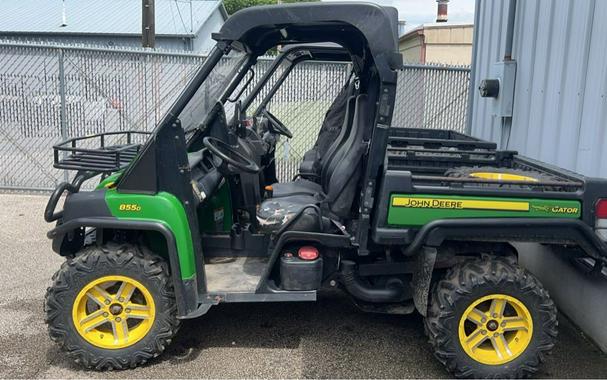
x,y
326,339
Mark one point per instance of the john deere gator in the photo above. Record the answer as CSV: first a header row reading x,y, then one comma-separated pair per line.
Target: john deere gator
x,y
403,220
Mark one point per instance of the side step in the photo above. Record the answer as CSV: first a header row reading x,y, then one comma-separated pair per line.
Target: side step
x,y
236,279
277,296
212,299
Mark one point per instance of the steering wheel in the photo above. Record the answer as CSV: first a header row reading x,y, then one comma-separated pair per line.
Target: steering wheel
x,y
277,125
229,155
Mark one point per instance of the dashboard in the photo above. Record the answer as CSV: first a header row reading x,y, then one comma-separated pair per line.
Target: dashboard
x,y
206,178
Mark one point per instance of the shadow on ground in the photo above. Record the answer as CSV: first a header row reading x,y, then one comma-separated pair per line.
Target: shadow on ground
x,y
329,339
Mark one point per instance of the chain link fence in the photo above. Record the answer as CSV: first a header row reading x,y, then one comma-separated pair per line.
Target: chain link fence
x,y
51,93
434,97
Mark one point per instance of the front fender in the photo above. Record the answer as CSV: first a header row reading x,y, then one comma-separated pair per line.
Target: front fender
x,y
186,290
163,208
160,212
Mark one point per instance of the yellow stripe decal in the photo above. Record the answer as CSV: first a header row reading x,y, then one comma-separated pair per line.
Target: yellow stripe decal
x,y
460,204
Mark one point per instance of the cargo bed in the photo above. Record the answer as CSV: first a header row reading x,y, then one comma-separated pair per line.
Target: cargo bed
x,y
429,199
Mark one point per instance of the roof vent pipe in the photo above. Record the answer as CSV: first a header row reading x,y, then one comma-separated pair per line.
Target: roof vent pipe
x,y
510,30
63,15
442,11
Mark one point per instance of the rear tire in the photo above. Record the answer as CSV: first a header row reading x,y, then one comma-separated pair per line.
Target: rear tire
x,y
112,307
473,341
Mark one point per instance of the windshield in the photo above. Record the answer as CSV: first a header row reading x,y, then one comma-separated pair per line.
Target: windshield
x,y
207,95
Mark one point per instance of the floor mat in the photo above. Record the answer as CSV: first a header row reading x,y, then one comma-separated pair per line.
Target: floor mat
x,y
234,274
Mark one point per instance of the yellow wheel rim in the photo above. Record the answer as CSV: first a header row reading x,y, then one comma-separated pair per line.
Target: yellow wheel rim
x,y
495,329
113,312
502,177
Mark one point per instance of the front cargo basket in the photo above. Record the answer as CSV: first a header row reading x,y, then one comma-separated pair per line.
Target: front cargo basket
x,y
103,152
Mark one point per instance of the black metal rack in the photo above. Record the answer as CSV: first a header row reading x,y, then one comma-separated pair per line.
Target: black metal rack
x,y
435,139
432,151
429,153
70,154
437,161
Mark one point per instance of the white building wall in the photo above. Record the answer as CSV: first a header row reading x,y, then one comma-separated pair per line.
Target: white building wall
x,y
203,42
560,102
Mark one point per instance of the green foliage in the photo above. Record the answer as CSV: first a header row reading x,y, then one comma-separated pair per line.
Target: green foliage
x,y
235,5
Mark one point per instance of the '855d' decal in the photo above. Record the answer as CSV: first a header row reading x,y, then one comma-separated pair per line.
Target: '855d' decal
x,y
129,207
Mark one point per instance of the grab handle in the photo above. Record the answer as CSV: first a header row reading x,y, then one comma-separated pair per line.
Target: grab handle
x,y
49,213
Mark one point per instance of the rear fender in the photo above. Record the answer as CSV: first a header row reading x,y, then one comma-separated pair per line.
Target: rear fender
x,y
540,230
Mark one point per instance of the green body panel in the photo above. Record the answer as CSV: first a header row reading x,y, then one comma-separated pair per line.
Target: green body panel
x,y
164,208
215,214
418,210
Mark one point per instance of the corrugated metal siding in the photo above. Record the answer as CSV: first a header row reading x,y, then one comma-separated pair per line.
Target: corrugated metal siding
x,y
490,49
560,113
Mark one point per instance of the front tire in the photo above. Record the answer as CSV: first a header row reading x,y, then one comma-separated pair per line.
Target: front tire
x,y
491,318
112,307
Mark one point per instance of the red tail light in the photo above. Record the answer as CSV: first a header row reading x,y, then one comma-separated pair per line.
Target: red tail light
x,y
308,253
601,209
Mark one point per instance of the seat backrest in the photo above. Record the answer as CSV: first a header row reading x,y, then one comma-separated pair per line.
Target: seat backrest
x,y
339,141
332,125
344,169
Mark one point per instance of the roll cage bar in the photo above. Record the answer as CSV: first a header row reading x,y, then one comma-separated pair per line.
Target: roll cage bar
x,y
293,55
358,27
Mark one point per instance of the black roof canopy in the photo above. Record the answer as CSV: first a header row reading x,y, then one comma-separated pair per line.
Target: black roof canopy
x,y
358,27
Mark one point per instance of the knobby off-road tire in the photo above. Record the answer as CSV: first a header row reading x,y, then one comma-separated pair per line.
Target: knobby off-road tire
x,y
94,268
463,288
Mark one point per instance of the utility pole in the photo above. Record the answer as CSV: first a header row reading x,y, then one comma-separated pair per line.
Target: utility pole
x,y
191,18
148,29
63,15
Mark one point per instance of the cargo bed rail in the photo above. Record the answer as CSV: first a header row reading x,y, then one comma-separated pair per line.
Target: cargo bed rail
x,y
428,154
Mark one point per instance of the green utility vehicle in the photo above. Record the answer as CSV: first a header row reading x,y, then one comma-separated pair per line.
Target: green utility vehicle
x,y
404,220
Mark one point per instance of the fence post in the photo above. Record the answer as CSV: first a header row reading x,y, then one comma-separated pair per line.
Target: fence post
x,y
62,112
